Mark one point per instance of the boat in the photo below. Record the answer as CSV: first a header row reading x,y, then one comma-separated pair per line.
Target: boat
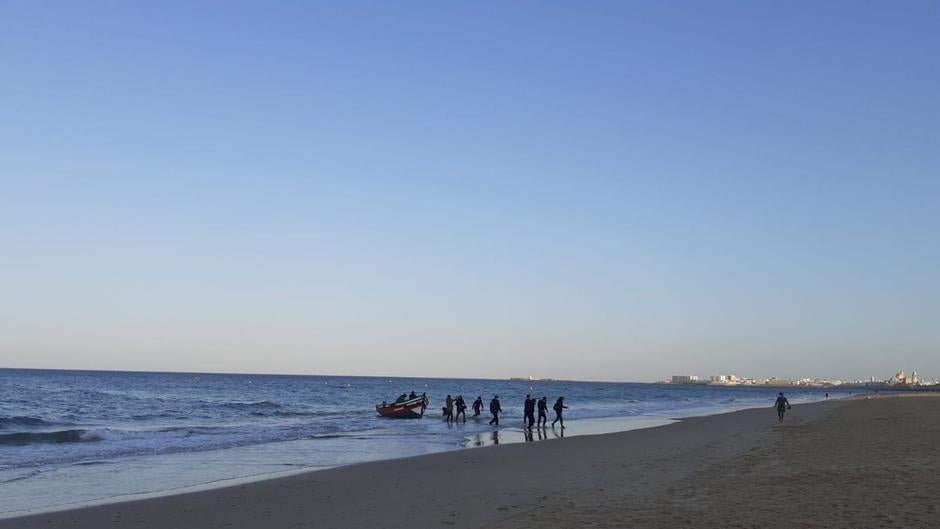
x,y
408,409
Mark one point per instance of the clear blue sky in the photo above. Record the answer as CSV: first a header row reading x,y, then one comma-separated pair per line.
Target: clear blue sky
x,y
603,190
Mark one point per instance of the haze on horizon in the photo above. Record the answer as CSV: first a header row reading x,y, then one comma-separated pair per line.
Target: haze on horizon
x,y
604,191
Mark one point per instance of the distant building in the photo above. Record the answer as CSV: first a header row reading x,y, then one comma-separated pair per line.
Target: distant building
x,y
727,379
901,379
684,379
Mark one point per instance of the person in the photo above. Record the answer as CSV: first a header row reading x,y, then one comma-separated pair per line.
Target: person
x,y
559,406
401,398
827,394
478,406
461,408
782,405
449,408
528,415
495,410
543,411
413,395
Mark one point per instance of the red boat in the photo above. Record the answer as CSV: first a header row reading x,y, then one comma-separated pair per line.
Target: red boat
x,y
408,409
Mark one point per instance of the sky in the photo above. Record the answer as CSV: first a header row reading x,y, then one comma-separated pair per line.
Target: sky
x,y
596,191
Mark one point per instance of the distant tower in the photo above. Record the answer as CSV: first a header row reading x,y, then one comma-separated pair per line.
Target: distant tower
x,y
914,377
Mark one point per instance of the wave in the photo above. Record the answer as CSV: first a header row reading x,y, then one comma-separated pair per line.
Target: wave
x,y
93,463
23,420
98,435
28,438
252,405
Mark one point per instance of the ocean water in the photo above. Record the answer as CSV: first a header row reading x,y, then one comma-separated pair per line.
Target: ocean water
x,y
75,437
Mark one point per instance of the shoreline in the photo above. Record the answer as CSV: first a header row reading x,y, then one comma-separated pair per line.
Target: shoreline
x,y
378,477
507,435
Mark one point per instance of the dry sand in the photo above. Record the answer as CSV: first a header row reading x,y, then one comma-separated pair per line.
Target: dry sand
x,y
839,464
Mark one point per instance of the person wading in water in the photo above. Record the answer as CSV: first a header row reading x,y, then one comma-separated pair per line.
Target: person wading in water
x,y
543,411
558,407
529,412
461,408
477,406
495,410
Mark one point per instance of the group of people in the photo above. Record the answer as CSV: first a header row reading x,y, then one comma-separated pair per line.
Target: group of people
x,y
460,404
531,404
529,408
404,398
447,411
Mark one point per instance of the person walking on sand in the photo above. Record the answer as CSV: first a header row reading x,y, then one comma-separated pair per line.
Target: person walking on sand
x,y
478,406
461,408
528,412
495,410
543,411
558,407
782,405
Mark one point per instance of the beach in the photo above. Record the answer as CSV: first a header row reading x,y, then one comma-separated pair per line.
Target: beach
x,y
70,438
852,463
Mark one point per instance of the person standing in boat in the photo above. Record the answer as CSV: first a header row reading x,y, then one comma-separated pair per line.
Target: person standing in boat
x,y
543,411
461,408
413,395
559,407
478,406
528,412
495,409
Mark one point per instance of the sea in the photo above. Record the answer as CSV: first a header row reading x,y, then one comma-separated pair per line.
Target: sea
x,y
70,438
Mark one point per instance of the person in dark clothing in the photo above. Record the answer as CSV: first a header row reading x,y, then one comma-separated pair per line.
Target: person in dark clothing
x,y
782,405
413,395
401,398
449,408
558,407
478,406
461,408
543,411
495,410
529,412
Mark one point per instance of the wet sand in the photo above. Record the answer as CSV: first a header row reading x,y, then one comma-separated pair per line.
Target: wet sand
x,y
867,463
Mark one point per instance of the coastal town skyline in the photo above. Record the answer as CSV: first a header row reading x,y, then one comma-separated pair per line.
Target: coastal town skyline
x,y
900,379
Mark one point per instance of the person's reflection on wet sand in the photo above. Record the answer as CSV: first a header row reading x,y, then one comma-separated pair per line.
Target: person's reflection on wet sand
x,y
528,435
495,437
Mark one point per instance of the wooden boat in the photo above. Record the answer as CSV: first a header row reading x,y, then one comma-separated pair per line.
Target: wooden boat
x,y
409,409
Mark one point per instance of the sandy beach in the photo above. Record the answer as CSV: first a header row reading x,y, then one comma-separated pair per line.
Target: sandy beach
x,y
864,463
